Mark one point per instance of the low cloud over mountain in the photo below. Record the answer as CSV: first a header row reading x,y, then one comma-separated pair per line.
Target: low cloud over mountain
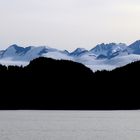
x,y
103,56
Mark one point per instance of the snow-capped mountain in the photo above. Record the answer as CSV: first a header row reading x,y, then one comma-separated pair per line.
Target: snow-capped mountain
x,y
108,50
15,52
134,48
78,52
102,56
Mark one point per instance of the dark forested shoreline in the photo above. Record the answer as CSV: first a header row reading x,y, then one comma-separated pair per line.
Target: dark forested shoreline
x,y
60,84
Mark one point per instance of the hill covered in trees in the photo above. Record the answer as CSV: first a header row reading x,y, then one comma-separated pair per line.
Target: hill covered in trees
x,y
60,84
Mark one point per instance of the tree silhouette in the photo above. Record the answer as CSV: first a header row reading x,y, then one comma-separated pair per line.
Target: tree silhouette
x,y
60,84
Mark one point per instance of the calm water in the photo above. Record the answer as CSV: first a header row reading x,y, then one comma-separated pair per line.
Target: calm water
x,y
69,125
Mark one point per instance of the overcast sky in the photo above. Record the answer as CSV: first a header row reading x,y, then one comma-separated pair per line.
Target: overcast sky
x,y
68,24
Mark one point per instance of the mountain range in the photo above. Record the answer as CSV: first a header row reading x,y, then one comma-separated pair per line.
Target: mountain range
x,y
103,56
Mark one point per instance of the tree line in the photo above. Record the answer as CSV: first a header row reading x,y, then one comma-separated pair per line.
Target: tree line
x,y
61,84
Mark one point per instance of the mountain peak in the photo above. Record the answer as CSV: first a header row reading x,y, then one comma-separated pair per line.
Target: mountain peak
x,y
135,43
102,46
78,51
138,41
13,46
134,47
65,52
